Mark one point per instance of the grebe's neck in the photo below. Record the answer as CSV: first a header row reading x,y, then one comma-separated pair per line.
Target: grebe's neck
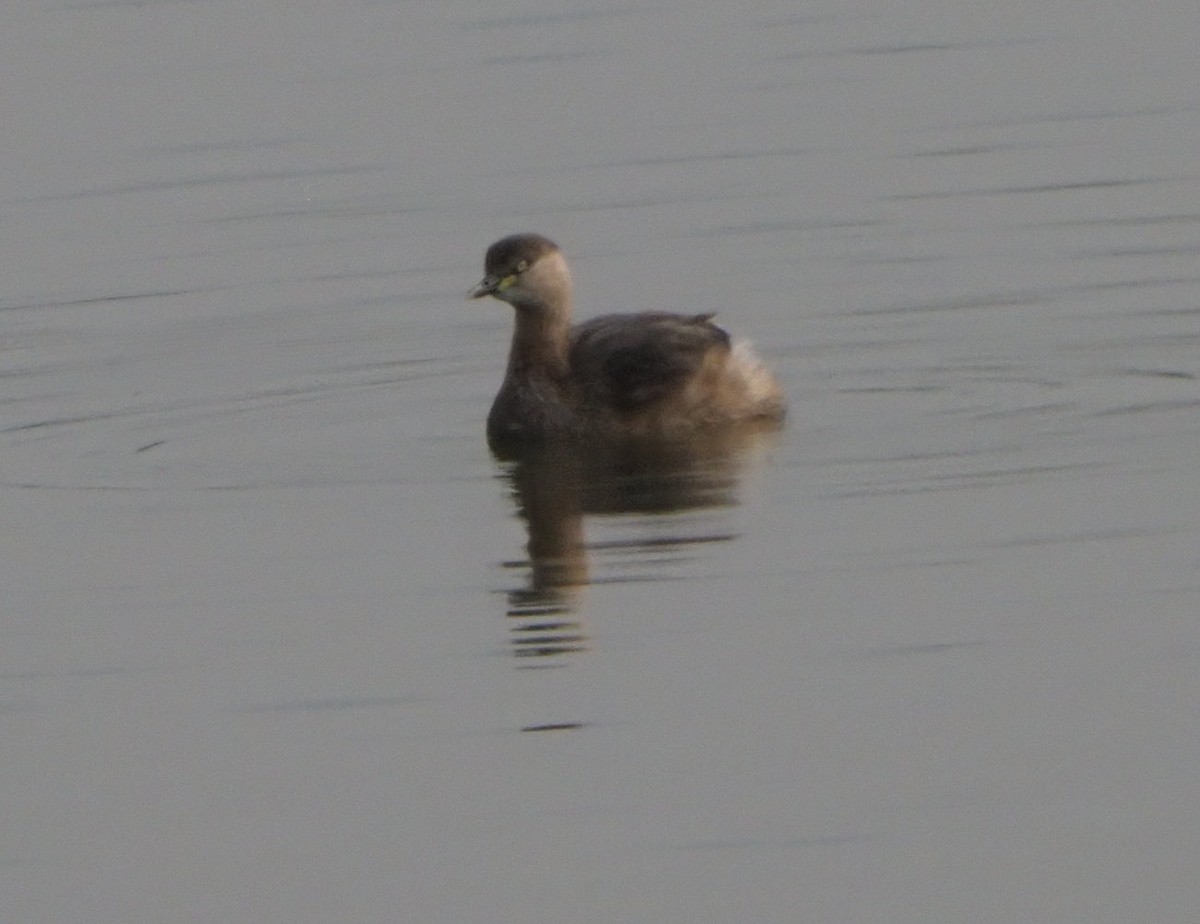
x,y
542,302
541,338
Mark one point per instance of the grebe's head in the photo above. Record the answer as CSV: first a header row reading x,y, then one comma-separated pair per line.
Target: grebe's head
x,y
527,271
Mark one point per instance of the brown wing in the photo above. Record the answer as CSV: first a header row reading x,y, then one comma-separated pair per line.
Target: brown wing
x,y
628,361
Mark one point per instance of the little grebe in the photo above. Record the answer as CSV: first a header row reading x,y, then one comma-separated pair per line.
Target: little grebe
x,y
648,374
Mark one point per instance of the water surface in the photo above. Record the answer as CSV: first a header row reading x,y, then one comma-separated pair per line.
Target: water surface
x,y
281,641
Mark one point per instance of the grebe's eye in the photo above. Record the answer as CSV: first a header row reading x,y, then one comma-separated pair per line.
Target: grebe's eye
x,y
522,266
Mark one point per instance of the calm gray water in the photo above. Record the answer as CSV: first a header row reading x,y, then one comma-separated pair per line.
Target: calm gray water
x,y
280,641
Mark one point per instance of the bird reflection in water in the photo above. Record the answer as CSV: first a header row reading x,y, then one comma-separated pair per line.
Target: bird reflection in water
x,y
556,485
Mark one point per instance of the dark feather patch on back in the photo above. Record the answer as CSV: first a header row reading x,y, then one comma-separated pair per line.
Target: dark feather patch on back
x,y
630,361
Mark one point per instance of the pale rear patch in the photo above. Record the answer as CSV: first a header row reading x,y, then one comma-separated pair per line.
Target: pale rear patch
x,y
763,394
